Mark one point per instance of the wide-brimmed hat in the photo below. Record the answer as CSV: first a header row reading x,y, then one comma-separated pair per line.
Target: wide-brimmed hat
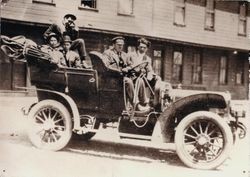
x,y
52,35
67,38
71,16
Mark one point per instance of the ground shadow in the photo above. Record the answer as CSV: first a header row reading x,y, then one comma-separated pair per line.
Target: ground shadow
x,y
114,150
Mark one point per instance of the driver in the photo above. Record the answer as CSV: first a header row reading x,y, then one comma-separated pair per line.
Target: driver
x,y
139,57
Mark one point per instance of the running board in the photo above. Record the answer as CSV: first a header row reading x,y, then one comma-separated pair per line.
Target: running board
x,y
134,136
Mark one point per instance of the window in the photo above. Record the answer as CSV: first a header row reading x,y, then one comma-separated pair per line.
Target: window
x,y
209,15
179,13
89,4
242,18
223,70
51,2
197,68
239,74
239,78
126,7
157,66
177,67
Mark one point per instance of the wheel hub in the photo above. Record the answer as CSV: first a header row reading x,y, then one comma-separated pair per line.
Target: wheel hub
x,y
202,140
48,125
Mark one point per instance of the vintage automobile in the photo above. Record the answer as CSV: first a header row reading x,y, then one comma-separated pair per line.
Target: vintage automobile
x,y
76,102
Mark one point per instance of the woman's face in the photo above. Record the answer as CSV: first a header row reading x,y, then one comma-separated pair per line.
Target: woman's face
x,y
142,48
53,42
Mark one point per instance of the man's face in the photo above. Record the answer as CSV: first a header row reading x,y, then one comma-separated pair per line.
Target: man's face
x,y
142,48
118,45
69,22
53,42
66,46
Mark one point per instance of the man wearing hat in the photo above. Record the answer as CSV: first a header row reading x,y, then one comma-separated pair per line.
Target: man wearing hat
x,y
53,48
72,58
70,29
116,58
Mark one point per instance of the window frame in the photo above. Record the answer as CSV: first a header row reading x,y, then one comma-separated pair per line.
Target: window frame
x,y
242,18
200,79
81,7
158,57
179,80
180,5
44,2
210,11
125,14
225,82
240,69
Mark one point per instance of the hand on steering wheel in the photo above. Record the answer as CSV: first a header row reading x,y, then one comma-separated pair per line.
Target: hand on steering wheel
x,y
140,68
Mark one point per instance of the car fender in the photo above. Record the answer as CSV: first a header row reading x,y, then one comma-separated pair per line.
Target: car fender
x,y
172,115
70,105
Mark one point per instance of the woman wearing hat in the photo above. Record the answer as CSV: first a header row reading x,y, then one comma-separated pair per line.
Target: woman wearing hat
x,y
53,49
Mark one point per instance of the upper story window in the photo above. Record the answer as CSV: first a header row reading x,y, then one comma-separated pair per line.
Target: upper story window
x,y
126,7
88,4
209,15
197,68
223,70
179,13
242,18
50,2
177,67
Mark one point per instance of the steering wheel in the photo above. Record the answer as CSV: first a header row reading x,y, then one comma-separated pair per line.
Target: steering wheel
x,y
138,68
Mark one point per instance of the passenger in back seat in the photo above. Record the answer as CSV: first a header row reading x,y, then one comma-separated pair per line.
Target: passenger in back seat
x,y
72,58
54,49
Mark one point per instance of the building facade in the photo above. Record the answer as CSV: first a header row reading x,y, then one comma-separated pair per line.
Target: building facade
x,y
200,44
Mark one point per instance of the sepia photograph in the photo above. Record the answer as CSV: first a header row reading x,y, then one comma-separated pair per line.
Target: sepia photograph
x,y
124,88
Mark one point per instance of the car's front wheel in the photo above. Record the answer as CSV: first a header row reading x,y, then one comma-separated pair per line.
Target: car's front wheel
x,y
50,125
203,140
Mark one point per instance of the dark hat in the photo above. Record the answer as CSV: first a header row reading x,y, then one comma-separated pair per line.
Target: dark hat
x,y
52,35
71,16
144,41
117,38
67,38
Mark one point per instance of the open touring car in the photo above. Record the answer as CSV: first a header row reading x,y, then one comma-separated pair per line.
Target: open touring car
x,y
77,101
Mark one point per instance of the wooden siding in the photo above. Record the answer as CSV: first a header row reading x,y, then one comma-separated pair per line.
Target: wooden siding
x,y
151,18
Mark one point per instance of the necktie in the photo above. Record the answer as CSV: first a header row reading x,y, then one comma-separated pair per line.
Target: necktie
x,y
121,62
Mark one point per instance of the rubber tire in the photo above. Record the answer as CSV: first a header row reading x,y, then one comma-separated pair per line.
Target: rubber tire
x,y
225,129
64,140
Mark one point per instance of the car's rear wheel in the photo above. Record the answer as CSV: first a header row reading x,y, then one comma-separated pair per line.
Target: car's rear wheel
x,y
203,140
50,125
